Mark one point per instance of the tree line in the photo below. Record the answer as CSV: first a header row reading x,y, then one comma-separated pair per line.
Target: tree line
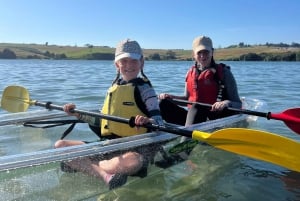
x,y
9,54
279,45
169,55
289,56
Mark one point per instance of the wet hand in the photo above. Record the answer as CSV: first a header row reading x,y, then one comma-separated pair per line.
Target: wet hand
x,y
141,120
69,107
164,96
219,106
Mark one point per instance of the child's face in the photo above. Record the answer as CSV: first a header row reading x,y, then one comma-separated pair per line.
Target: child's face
x,y
129,68
203,58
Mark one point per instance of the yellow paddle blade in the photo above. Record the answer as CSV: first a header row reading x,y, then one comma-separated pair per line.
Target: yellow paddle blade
x,y
15,99
255,144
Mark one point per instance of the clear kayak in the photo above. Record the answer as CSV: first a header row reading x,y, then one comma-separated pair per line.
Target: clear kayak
x,y
40,157
35,174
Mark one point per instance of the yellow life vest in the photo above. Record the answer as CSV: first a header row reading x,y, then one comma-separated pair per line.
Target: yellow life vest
x,y
120,102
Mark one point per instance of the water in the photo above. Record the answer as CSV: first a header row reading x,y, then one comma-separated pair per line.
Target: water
x,y
218,175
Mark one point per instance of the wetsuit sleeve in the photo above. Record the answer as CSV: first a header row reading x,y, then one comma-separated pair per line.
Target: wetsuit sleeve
x,y
231,89
149,97
94,121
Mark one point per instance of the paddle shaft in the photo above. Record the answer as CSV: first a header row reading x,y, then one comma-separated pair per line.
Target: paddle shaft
x,y
250,112
290,117
267,115
130,121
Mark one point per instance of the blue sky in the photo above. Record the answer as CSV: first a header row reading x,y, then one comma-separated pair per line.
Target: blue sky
x,y
162,24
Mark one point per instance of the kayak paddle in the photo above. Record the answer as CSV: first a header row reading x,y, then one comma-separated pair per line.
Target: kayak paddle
x,y
255,144
291,117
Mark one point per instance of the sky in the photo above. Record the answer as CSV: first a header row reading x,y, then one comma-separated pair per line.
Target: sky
x,y
155,24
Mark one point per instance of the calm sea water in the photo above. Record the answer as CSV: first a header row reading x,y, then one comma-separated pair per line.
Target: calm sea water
x,y
217,176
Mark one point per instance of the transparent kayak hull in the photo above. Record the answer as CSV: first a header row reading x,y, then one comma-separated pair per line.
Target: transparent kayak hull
x,y
37,175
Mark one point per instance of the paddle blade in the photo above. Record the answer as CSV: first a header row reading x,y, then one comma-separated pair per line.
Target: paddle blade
x,y
291,118
255,144
15,99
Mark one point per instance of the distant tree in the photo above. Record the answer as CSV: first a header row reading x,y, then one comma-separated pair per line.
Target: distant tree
x,y
60,56
295,44
154,56
279,57
232,46
47,54
100,56
33,57
89,45
298,56
8,54
241,44
283,45
250,57
288,57
170,55
274,57
46,44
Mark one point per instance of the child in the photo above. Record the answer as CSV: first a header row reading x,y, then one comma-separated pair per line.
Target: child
x,y
129,95
205,82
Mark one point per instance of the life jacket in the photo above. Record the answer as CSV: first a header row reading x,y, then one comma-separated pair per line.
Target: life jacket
x,y
206,86
120,101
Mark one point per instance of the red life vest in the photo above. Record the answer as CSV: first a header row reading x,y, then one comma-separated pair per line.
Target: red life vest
x,y
205,86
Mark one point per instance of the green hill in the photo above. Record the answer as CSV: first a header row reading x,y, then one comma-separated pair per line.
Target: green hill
x,y
236,53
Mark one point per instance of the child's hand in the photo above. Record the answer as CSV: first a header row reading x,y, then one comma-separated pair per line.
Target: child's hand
x,y
219,106
141,120
69,107
164,96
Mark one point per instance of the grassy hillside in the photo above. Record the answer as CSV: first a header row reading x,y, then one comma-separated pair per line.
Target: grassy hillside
x,y
24,51
231,53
